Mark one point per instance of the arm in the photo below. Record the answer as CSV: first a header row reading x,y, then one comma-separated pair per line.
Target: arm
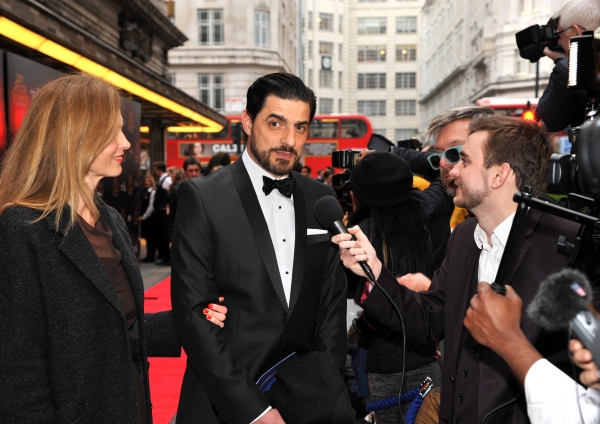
x,y
25,387
160,335
232,392
148,213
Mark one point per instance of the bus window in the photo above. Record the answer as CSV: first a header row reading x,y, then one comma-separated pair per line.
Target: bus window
x,y
353,128
323,128
218,135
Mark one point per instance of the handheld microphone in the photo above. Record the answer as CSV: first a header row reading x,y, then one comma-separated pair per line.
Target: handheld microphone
x,y
563,300
329,214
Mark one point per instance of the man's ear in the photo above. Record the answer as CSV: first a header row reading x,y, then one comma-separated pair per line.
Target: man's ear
x,y
503,172
578,30
246,122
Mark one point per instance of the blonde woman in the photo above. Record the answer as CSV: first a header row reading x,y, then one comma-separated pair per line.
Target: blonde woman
x,y
74,337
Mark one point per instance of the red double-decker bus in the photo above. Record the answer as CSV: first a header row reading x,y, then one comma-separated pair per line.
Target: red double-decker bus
x,y
327,133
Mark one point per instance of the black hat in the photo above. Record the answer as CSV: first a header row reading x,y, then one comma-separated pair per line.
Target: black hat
x,y
382,179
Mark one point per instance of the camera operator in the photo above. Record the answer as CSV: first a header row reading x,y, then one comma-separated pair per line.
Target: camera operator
x,y
494,321
559,107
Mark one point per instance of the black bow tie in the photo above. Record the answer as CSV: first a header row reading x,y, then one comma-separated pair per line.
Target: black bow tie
x,y
285,186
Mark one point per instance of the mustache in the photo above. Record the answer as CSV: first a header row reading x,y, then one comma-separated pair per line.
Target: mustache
x,y
286,149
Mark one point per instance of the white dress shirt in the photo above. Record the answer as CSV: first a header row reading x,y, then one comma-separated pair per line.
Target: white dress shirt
x,y
278,211
553,397
165,181
489,259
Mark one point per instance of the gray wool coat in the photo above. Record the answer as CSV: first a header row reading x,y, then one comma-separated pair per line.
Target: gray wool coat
x,y
64,344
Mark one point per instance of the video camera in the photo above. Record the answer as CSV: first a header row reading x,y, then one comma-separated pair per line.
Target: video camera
x,y
532,40
579,171
345,159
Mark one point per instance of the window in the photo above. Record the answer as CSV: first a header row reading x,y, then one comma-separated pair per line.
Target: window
x,y
406,53
371,1
371,107
340,105
523,66
406,79
406,24
340,79
309,20
325,106
341,23
325,48
371,53
321,129
340,53
371,81
406,107
325,78
210,27
310,76
310,48
211,90
171,79
380,131
404,133
353,128
326,22
261,29
372,25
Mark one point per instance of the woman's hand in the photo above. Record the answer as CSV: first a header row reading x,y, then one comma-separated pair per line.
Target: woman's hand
x,y
216,313
416,282
352,252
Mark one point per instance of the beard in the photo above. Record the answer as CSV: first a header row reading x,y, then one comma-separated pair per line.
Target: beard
x,y
470,199
448,183
278,167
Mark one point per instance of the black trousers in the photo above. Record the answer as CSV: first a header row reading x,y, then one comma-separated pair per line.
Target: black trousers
x,y
162,238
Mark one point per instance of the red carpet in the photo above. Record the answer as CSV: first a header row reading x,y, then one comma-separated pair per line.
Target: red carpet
x,y
166,374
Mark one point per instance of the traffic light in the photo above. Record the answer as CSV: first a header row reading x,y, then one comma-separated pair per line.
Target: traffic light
x,y
528,114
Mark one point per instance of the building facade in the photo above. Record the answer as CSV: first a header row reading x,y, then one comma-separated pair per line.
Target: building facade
x,y
469,52
230,44
361,57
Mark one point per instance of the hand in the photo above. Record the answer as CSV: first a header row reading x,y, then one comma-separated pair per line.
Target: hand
x,y
494,320
583,359
271,417
216,313
352,252
554,55
415,282
362,154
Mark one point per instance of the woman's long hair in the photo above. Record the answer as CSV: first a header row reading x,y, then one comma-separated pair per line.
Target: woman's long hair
x,y
69,122
399,235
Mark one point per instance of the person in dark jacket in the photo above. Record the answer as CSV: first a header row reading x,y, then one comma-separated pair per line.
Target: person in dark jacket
x,y
75,339
147,217
395,222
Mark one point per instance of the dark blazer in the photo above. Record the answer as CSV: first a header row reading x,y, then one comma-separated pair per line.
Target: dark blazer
x,y
222,247
475,379
64,344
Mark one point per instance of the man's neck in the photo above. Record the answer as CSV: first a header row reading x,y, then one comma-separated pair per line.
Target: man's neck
x,y
490,217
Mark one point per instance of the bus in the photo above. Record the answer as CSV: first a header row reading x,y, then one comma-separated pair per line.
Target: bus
x,y
510,106
338,131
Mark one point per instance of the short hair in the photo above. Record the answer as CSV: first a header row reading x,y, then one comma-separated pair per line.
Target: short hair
x,y
525,145
191,161
308,168
585,13
161,166
466,112
283,85
69,123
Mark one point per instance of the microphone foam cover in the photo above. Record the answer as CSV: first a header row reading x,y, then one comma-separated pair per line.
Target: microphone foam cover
x,y
557,303
327,210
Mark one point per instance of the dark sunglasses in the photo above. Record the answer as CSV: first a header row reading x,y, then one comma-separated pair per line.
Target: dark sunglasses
x,y
452,155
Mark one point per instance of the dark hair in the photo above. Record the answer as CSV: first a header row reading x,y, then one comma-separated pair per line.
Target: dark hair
x,y
308,168
191,161
283,85
161,166
525,145
399,235
219,159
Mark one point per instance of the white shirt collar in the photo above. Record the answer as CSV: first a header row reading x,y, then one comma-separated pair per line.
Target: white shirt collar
x,y
500,234
256,173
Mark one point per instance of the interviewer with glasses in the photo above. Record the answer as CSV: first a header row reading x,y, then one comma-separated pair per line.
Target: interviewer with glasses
x,y
559,107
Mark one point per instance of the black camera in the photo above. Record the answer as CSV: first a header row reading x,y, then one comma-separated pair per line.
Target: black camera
x,y
344,158
532,40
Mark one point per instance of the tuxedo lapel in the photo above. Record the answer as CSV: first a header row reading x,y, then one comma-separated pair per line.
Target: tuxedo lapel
x,y
259,227
531,220
300,246
76,247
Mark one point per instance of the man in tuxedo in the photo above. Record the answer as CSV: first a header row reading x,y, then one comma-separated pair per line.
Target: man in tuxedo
x,y
247,232
501,156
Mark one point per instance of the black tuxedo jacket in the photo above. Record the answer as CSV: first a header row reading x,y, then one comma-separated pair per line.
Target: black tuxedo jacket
x,y
475,379
222,247
65,352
